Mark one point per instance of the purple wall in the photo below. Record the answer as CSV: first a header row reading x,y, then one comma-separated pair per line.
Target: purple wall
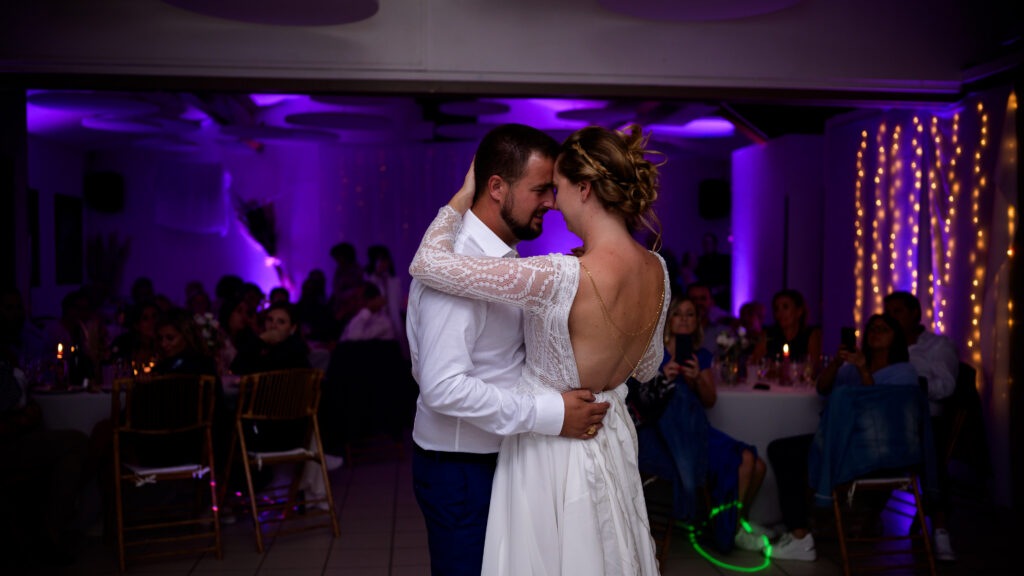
x,y
763,177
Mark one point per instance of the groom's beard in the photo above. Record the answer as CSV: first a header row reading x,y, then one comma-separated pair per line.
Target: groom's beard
x,y
522,230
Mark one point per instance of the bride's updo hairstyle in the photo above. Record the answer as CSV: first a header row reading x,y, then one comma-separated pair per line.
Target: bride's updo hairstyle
x,y
620,175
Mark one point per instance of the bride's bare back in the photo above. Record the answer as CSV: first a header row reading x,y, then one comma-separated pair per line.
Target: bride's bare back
x,y
631,282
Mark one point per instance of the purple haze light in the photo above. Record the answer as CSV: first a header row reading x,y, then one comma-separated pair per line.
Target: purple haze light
x,y
263,100
708,127
541,113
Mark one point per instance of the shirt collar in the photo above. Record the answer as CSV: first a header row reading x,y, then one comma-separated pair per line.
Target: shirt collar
x,y
486,238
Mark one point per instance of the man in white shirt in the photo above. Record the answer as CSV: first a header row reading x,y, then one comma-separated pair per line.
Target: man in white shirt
x,y
935,358
467,357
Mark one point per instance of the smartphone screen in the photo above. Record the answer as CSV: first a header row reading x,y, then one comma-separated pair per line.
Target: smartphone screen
x,y
684,347
848,337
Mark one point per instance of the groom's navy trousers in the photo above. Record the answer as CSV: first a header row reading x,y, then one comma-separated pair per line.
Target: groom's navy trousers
x,y
454,492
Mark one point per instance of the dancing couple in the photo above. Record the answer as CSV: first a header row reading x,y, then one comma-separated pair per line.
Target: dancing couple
x,y
525,457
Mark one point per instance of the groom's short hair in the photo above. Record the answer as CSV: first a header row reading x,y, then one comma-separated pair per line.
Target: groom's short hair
x,y
506,149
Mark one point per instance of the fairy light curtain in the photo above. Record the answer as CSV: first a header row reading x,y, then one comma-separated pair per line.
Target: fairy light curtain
x,y
934,215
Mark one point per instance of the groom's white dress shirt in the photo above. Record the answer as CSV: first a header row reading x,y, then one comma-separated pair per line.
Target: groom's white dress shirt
x,y
467,356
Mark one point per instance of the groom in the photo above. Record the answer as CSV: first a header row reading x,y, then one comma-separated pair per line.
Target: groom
x,y
467,357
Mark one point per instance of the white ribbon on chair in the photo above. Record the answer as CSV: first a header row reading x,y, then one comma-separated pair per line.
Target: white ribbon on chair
x,y
148,475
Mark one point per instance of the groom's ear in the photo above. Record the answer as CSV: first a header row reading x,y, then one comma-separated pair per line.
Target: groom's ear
x,y
496,188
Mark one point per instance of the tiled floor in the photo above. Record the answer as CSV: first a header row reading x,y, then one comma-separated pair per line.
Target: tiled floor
x,y
382,534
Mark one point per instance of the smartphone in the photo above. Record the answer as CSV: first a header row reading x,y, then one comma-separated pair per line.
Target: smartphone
x,y
848,337
684,348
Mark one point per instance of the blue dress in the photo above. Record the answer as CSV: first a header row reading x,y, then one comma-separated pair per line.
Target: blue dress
x,y
683,446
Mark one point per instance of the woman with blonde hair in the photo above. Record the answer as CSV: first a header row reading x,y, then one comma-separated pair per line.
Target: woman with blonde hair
x,y
592,321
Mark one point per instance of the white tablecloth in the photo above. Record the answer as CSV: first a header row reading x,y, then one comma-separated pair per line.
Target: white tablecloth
x,y
757,417
73,411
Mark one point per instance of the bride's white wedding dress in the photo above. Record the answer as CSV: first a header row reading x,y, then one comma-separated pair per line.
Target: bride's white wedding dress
x,y
558,505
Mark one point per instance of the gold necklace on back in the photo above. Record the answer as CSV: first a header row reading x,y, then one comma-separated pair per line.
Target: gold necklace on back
x,y
651,326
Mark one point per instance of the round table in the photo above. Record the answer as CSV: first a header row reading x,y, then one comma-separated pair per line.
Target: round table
x,y
757,417
73,410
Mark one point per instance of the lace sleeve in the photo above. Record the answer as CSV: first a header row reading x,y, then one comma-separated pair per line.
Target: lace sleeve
x,y
529,283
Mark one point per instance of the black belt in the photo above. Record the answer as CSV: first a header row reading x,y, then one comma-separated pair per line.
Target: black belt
x,y
463,457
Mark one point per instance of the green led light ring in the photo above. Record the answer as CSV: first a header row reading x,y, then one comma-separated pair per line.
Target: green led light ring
x,y
695,533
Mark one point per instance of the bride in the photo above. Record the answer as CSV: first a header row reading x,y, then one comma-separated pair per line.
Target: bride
x,y
558,505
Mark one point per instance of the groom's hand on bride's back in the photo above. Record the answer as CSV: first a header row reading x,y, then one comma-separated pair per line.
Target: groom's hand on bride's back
x,y
583,416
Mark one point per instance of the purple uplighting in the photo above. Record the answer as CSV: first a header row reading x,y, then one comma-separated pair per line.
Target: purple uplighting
x,y
264,100
710,127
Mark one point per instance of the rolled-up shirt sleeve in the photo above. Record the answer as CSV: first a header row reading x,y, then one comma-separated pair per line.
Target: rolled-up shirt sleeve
x,y
443,366
942,367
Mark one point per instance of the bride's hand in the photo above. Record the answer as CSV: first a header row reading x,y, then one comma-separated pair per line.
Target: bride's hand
x,y
463,199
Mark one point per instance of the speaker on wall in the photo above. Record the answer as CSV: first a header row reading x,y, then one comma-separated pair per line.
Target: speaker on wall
x,y
714,199
103,192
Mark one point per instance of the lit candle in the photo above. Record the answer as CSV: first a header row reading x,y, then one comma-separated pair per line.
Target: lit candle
x,y
784,376
60,351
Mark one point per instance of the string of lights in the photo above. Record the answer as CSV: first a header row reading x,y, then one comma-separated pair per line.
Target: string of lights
x,y
978,249
858,266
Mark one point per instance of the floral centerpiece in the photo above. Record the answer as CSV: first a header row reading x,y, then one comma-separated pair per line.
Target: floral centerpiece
x,y
730,345
209,329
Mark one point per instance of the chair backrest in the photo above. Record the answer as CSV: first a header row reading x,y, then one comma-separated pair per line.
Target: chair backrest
x,y
163,404
280,395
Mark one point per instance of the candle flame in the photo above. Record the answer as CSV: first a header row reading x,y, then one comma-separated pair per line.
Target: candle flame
x,y
60,348
785,349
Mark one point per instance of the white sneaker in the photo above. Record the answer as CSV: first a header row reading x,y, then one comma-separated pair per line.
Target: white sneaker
x,y
748,541
759,530
940,542
790,548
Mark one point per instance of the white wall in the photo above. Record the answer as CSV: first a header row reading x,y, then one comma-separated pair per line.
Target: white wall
x,y
873,44
323,194
763,177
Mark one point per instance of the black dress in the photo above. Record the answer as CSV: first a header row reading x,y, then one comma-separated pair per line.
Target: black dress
x,y
798,347
254,356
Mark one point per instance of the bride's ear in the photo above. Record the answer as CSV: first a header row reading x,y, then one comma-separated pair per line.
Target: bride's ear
x,y
585,190
495,188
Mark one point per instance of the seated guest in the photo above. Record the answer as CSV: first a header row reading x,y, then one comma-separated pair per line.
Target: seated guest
x,y
734,472
348,273
752,321
381,272
790,313
142,291
228,287
372,322
182,350
279,347
280,294
72,331
936,360
69,330
163,303
882,362
198,303
238,323
713,320
49,463
313,310
253,296
139,344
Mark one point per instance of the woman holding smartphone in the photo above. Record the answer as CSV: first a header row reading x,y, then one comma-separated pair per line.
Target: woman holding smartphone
x,y
728,470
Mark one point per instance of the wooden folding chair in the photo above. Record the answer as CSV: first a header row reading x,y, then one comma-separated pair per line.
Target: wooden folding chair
x,y
174,410
906,480
908,483
285,395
